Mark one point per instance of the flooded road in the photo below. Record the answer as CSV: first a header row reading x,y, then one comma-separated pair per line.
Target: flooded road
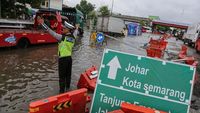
x,y
31,74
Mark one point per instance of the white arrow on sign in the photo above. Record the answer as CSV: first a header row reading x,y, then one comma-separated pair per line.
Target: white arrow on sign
x,y
114,65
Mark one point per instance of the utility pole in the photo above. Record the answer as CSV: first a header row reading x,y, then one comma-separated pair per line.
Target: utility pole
x,y
0,8
112,7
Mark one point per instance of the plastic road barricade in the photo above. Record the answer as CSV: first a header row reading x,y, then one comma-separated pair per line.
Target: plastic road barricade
x,y
131,108
70,102
88,79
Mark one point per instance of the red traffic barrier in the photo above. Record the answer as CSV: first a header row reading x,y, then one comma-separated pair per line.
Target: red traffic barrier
x,y
117,111
161,44
183,53
88,79
70,102
190,60
193,62
155,52
184,49
131,108
156,48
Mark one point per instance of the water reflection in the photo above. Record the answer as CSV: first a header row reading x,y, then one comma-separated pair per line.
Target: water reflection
x,y
27,75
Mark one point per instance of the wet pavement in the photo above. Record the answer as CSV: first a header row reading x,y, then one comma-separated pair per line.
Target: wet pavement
x,y
31,74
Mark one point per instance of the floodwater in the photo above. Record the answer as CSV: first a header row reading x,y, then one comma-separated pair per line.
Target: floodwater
x,y
31,74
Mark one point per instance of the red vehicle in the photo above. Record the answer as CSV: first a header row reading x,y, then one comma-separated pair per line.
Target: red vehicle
x,y
24,33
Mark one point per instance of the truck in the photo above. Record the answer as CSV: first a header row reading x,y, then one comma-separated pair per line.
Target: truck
x,y
190,37
24,33
75,17
110,25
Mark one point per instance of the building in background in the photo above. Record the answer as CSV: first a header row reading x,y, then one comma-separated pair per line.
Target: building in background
x,y
52,4
45,4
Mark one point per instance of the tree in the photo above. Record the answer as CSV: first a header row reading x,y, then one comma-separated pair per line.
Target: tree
x,y
92,15
85,7
142,23
103,10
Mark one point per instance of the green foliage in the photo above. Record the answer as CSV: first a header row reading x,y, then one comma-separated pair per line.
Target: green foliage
x,y
162,28
92,15
85,7
142,23
103,10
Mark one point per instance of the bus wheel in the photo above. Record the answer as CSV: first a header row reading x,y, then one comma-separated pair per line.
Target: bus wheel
x,y
23,43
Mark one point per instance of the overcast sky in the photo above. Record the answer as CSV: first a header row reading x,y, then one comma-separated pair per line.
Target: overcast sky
x,y
186,11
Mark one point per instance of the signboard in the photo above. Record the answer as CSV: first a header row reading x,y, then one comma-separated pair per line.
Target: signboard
x,y
154,17
100,38
144,81
56,4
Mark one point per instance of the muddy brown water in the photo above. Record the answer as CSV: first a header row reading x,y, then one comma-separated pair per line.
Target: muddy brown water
x,y
31,74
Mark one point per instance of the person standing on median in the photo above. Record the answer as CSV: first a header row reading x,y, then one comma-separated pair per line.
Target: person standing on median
x,y
65,44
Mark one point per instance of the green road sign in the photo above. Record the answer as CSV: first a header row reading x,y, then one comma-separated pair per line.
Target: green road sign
x,y
144,81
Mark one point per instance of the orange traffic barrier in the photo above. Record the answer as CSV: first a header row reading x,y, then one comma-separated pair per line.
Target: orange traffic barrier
x,y
193,62
156,48
88,79
184,49
155,52
189,60
116,111
183,53
162,44
70,102
131,108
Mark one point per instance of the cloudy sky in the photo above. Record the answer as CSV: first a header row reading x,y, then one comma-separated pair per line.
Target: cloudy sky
x,y
186,11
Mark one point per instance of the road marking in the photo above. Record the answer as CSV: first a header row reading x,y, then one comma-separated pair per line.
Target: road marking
x,y
114,65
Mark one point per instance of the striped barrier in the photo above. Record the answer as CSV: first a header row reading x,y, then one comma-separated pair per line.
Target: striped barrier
x,y
70,102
